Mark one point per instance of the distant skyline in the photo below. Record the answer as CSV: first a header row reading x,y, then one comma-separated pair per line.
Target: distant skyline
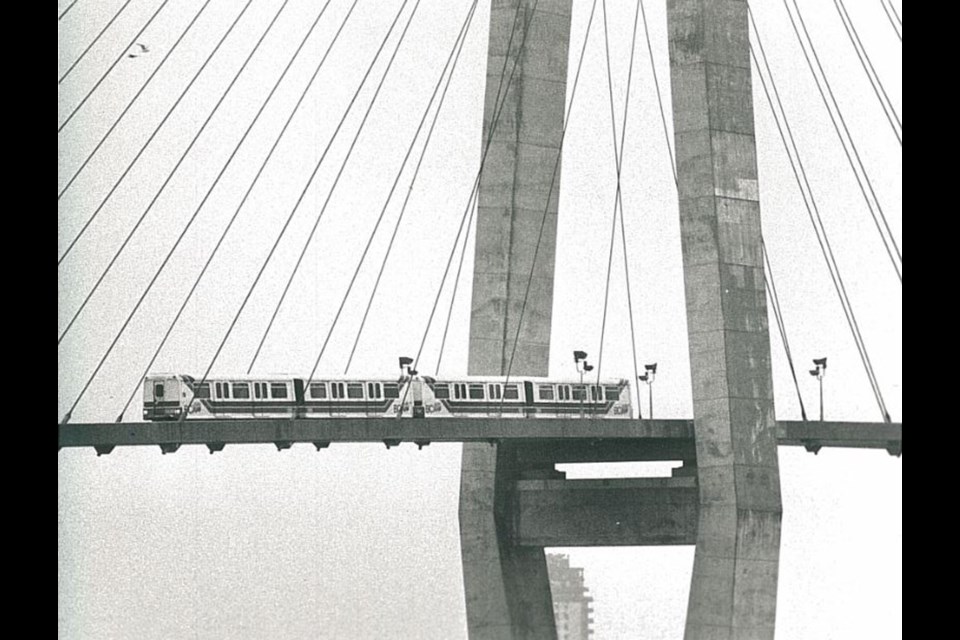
x,y
361,542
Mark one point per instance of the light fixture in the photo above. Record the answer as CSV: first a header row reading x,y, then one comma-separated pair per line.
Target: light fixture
x,y
819,372
649,377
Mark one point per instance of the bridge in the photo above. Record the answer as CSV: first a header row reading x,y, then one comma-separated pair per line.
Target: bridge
x,y
722,495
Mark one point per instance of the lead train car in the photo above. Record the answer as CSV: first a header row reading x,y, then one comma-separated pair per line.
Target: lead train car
x,y
168,397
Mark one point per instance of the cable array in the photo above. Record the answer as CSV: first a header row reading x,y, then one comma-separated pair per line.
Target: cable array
x,y
299,200
473,203
333,186
64,12
885,103
618,198
236,212
92,42
502,91
767,272
893,17
132,100
851,152
816,221
546,208
106,73
166,181
210,191
656,86
454,56
781,325
872,202
156,130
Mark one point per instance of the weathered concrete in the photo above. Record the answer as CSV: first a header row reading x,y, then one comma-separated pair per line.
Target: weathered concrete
x,y
518,185
624,511
506,586
734,588
507,589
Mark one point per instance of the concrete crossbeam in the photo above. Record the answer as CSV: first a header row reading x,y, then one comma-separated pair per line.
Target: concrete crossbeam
x,y
627,511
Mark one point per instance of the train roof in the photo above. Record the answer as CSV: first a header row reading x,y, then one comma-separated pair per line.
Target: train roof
x,y
284,377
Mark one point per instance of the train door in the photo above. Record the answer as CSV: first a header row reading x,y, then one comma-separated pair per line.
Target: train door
x,y
528,398
299,410
417,388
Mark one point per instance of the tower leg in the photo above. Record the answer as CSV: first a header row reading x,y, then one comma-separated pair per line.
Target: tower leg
x,y
734,587
507,587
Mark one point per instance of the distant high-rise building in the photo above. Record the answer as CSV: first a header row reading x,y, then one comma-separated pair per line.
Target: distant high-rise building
x,y
571,604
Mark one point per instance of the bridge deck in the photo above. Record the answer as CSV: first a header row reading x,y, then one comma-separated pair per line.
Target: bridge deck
x,y
285,432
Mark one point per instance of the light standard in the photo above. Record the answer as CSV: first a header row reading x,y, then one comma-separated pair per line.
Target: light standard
x,y
578,357
649,377
819,373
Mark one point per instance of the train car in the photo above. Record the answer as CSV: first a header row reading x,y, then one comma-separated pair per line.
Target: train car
x,y
169,397
526,398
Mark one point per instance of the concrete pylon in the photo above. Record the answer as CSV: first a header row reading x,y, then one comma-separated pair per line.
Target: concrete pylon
x,y
734,587
506,586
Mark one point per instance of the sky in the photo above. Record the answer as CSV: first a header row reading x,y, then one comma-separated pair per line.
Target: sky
x,y
361,542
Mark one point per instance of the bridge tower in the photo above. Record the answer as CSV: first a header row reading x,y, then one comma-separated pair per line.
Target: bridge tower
x,y
736,519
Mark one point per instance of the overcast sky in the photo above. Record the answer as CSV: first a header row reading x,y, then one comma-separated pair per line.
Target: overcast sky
x,y
361,542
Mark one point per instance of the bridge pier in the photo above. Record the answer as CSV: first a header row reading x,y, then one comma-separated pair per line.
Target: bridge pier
x,y
737,532
506,585
734,587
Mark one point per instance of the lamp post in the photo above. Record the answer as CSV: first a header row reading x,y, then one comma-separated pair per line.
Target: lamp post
x,y
578,357
819,372
649,377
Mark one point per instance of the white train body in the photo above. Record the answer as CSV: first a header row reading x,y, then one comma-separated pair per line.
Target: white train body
x,y
168,397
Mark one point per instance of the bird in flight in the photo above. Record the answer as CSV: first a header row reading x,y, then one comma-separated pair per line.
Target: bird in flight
x,y
137,53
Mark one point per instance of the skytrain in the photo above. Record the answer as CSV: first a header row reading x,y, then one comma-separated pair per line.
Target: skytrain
x,y
171,396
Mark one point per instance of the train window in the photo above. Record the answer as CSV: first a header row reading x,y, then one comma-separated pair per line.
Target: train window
x,y
579,392
596,393
613,393
493,391
355,390
202,391
279,390
456,392
510,392
158,390
335,389
476,392
373,390
241,390
391,390
546,392
257,390
223,390
563,392
319,390
441,391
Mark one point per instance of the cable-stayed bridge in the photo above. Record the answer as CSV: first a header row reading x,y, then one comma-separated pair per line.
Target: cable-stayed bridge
x,y
222,210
